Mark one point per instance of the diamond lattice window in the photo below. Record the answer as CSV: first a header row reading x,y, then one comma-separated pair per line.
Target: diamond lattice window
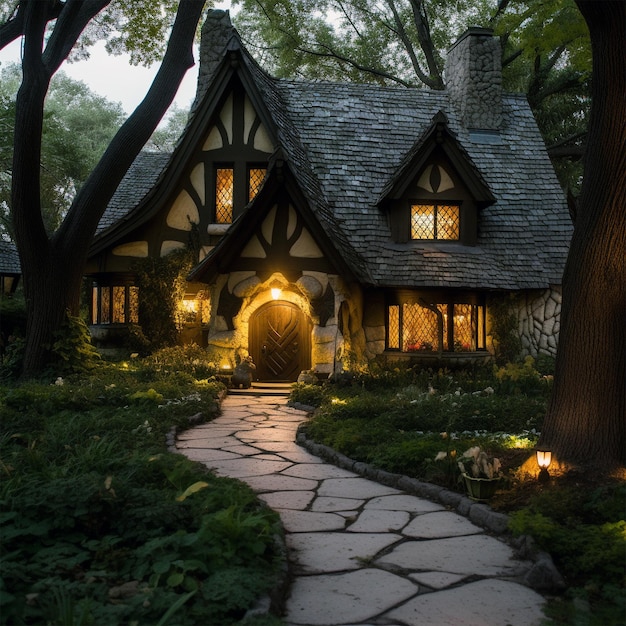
x,y
435,221
448,327
133,305
419,328
255,180
224,196
115,305
105,306
119,305
463,335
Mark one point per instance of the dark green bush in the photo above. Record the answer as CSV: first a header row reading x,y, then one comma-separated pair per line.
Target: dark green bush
x,y
309,395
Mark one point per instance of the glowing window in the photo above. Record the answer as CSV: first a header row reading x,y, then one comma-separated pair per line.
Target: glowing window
x,y
419,329
447,327
394,327
435,221
224,195
117,304
255,181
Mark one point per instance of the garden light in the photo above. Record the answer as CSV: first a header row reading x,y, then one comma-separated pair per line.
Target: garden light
x,y
544,458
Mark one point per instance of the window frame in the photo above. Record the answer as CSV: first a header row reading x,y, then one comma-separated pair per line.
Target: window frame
x,y
428,300
436,204
240,186
97,313
217,167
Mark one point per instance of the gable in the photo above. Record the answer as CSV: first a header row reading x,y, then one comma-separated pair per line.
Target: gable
x,y
430,162
231,137
435,186
277,233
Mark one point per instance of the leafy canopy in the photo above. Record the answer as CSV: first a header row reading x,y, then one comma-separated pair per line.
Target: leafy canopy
x,y
78,127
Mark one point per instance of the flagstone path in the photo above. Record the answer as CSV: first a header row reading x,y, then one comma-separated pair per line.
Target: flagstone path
x,y
362,553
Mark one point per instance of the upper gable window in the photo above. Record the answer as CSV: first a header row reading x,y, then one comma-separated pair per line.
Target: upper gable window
x,y
435,221
256,176
236,150
224,177
225,190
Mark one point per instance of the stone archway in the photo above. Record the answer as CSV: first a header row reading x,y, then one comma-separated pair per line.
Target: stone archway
x,y
279,341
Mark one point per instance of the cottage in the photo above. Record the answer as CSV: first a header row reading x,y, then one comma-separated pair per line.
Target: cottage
x,y
337,223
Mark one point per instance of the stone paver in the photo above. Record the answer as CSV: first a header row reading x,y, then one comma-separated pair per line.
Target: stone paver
x,y
362,553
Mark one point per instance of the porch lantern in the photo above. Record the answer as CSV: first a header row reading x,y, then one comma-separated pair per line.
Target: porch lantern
x,y
276,292
544,458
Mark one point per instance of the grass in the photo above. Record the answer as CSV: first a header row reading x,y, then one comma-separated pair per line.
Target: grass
x,y
100,524
401,420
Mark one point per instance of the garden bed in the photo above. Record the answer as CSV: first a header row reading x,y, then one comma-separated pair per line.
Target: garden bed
x,y
400,421
100,524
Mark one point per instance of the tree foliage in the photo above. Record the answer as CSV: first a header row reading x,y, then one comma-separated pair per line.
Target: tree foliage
x,y
78,127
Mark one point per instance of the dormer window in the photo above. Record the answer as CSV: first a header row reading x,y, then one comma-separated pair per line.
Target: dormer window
x,y
435,221
436,193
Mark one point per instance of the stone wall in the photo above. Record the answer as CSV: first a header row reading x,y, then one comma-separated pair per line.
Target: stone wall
x,y
474,79
539,316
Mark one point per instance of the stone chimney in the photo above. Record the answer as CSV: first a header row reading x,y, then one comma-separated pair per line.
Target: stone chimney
x,y
474,79
217,31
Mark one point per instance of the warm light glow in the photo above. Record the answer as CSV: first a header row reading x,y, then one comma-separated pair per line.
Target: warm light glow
x,y
276,291
190,306
225,366
338,401
544,458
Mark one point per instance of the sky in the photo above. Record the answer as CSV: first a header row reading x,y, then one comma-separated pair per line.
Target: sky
x,y
114,77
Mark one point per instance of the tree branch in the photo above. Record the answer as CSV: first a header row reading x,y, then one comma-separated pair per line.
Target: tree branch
x,y
408,46
361,68
423,34
93,197
14,26
74,17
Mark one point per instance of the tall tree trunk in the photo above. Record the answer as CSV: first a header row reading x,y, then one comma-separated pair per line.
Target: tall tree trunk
x,y
586,419
52,266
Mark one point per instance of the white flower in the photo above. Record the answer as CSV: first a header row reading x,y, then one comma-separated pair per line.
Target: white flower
x,y
440,456
472,453
59,381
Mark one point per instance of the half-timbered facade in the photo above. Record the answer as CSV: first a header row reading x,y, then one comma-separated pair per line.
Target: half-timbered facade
x,y
336,223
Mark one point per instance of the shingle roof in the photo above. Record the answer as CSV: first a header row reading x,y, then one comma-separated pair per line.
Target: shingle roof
x,y
9,258
345,141
138,182
356,137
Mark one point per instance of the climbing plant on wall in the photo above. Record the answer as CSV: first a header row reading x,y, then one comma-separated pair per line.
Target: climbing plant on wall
x,y
162,285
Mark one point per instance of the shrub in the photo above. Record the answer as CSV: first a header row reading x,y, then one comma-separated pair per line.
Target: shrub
x,y
309,395
72,347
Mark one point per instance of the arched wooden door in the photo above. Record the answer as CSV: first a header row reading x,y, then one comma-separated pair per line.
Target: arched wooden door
x,y
279,341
